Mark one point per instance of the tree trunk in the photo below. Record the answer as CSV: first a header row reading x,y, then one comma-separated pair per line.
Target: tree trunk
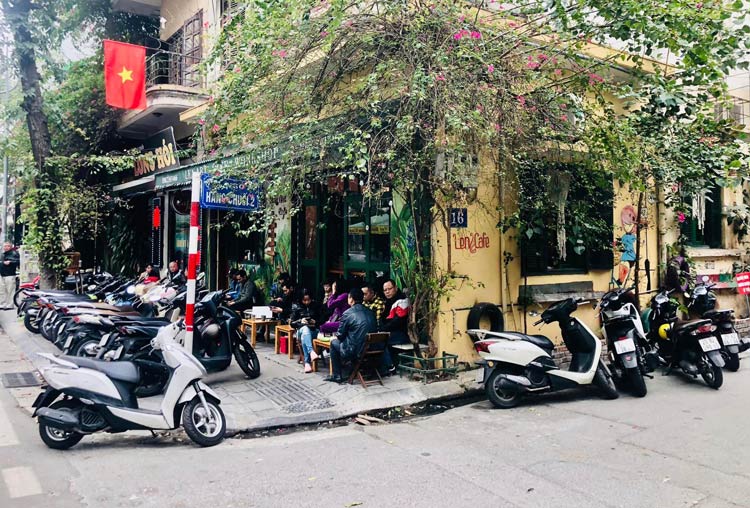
x,y
17,15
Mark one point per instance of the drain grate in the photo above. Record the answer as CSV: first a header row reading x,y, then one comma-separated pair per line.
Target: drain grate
x,y
20,379
284,391
307,405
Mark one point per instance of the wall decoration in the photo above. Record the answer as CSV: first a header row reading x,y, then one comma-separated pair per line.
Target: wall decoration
x,y
629,223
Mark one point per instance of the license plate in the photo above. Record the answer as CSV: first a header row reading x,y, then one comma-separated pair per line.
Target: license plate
x,y
709,344
730,339
103,340
68,342
624,346
480,376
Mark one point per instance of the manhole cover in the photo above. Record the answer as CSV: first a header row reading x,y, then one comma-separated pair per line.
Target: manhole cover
x,y
308,405
20,379
284,391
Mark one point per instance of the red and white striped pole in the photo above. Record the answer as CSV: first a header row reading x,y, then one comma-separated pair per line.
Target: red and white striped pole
x,y
193,256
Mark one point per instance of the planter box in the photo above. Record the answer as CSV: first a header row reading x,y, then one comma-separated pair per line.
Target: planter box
x,y
428,369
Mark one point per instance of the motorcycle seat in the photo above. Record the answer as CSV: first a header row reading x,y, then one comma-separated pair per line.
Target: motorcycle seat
x,y
145,329
712,314
686,326
538,340
120,371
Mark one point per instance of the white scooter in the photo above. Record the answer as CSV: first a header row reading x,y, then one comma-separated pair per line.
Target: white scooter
x,y
515,364
99,396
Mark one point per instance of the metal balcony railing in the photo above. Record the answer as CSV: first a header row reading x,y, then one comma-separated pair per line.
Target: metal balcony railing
x,y
169,68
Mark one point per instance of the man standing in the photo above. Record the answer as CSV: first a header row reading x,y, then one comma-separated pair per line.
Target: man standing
x,y
8,276
176,277
356,322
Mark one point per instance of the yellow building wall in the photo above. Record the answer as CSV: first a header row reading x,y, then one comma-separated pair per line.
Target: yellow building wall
x,y
481,275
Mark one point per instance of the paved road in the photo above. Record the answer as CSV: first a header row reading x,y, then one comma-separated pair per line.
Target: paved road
x,y
684,445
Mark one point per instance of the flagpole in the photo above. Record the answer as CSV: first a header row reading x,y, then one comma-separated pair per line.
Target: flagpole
x,y
192,260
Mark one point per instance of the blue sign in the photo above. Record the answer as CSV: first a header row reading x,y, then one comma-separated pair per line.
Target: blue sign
x,y
459,218
220,193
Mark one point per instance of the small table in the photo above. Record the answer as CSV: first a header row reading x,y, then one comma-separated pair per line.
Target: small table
x,y
282,330
318,346
254,323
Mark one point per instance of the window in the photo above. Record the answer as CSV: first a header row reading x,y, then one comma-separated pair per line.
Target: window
x,y
710,207
585,227
186,52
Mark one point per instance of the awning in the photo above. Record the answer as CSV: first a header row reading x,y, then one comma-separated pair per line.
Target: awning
x,y
145,184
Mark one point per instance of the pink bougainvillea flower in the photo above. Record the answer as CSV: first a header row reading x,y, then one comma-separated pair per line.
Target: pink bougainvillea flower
x,y
490,69
324,34
201,122
440,77
595,78
480,108
281,53
681,217
532,65
457,36
512,24
558,72
564,118
475,35
563,106
521,100
215,128
497,127
237,68
461,18
542,57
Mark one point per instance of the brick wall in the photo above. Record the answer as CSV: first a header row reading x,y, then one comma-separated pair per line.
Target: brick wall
x,y
743,327
562,356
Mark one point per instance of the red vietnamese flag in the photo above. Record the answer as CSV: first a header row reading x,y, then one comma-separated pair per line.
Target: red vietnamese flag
x,y
125,75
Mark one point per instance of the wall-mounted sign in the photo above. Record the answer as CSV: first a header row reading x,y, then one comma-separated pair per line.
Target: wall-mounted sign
x,y
228,194
743,283
471,241
158,154
459,218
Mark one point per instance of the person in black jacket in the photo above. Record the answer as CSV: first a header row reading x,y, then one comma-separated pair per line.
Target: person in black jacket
x,y
246,298
8,276
305,318
283,307
175,275
356,322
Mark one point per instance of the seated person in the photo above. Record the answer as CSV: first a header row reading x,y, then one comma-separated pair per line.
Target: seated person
x,y
153,276
337,304
395,321
283,308
304,319
356,323
247,290
234,285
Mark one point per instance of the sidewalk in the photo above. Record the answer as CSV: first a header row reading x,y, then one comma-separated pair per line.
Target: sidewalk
x,y
282,396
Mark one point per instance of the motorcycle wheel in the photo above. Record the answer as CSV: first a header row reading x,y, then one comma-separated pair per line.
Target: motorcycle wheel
x,y
203,429
31,324
636,382
18,297
503,399
247,358
46,327
59,439
603,380
712,375
86,348
733,361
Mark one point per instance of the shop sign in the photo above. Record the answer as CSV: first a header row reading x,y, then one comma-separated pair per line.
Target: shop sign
x,y
459,218
471,242
228,194
158,154
743,283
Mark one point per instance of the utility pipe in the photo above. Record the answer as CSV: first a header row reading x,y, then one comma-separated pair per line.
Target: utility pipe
x,y
193,254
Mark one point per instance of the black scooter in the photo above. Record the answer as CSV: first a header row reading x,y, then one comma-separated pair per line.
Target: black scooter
x,y
688,346
702,302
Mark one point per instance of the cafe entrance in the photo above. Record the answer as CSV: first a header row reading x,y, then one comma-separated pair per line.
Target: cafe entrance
x,y
344,235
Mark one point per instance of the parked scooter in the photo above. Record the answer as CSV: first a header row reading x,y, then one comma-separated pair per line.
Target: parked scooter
x,y
623,331
99,396
688,346
702,302
515,364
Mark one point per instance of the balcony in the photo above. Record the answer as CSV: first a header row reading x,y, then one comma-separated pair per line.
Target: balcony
x,y
173,84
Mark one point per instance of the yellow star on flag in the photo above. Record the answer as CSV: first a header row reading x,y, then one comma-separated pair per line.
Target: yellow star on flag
x,y
125,74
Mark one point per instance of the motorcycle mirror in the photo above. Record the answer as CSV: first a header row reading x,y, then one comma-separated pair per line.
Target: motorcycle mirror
x,y
130,290
705,278
687,294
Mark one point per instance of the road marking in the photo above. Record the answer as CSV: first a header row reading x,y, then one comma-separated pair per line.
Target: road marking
x,y
7,435
21,482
